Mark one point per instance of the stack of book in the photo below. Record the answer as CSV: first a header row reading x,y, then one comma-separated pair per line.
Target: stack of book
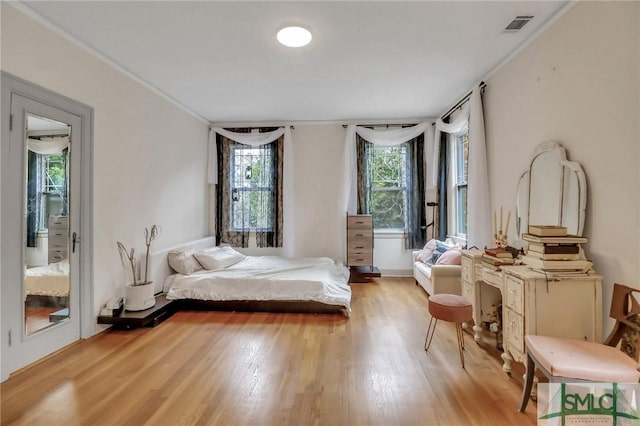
x,y
494,258
552,251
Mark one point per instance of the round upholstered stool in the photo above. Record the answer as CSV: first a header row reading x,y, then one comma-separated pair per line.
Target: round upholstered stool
x,y
451,308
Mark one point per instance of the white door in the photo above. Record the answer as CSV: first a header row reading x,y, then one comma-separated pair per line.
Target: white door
x,y
40,250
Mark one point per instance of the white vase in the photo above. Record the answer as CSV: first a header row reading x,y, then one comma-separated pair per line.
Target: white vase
x,y
139,297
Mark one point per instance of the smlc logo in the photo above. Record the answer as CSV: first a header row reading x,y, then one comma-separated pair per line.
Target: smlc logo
x,y
589,404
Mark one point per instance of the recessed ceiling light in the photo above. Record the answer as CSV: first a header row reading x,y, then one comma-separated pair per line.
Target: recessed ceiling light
x,y
294,36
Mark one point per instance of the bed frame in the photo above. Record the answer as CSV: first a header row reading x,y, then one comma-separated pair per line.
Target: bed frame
x,y
159,269
276,306
40,301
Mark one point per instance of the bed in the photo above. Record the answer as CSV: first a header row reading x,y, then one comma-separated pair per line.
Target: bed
x,y
257,283
48,284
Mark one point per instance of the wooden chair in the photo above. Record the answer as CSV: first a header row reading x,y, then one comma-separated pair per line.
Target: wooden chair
x,y
565,360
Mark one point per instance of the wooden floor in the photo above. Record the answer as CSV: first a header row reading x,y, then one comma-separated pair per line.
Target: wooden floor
x,y
225,368
37,317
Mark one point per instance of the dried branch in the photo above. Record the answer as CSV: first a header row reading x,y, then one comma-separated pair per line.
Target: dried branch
x,y
149,236
126,255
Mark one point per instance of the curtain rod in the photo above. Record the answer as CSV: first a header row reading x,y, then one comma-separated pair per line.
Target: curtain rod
x,y
462,101
344,126
250,127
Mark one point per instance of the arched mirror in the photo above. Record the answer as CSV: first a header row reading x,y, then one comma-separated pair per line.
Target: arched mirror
x,y
552,192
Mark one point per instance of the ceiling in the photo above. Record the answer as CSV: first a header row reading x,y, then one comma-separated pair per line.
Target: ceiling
x,y
367,60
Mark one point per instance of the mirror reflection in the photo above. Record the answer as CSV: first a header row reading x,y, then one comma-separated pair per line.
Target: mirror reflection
x,y
545,189
552,192
46,211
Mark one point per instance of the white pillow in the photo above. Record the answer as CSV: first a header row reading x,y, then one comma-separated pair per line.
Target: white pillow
x,y
218,257
183,262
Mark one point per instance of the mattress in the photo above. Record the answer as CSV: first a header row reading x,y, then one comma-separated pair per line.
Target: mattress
x,y
267,278
48,280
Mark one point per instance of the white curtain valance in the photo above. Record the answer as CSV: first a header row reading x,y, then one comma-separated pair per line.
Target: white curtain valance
x,y
377,137
53,146
252,139
478,197
391,137
456,126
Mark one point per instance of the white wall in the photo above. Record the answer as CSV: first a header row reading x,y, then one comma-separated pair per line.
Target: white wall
x,y
319,222
390,256
149,155
578,83
318,151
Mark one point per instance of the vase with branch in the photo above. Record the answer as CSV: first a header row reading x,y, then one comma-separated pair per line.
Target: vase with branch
x,y
139,294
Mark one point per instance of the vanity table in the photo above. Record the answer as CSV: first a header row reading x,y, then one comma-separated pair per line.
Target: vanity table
x,y
552,191
532,303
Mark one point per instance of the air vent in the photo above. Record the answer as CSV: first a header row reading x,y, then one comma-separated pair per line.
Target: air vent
x,y
518,23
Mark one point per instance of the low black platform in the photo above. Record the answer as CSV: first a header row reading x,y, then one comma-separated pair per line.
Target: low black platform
x,y
362,274
151,317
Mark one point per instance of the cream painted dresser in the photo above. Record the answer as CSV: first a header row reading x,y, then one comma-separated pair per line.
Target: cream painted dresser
x,y
532,303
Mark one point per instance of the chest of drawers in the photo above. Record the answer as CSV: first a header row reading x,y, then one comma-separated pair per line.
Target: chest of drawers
x,y
359,240
58,238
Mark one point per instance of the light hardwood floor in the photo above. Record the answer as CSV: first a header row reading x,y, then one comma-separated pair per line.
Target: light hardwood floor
x,y
223,368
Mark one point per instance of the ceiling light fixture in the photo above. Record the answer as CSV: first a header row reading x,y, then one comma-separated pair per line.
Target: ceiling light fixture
x,y
294,36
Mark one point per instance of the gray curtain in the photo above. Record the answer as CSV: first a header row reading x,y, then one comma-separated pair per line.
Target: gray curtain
x,y
416,222
272,236
32,198
442,230
361,160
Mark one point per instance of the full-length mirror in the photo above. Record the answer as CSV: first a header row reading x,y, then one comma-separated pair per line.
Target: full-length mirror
x,y
553,191
46,211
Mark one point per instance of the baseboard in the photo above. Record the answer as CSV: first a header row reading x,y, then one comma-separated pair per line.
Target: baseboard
x,y
396,272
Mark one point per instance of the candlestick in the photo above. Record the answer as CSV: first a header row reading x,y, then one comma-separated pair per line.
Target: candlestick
x,y
506,229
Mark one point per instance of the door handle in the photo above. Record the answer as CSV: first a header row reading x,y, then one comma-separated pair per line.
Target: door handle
x,y
74,240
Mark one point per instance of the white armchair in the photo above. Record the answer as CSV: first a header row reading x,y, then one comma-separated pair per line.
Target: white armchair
x,y
437,279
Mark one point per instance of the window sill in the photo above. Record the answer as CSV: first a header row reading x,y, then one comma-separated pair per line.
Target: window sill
x,y
388,233
459,240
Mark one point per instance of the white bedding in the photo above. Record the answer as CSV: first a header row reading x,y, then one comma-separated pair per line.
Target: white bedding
x,y
267,278
48,280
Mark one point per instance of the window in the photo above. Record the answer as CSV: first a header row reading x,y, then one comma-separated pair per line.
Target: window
x,y
461,165
387,186
251,185
249,190
51,188
390,187
54,173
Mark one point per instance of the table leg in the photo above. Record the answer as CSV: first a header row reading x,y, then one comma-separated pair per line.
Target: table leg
x,y
476,333
508,359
